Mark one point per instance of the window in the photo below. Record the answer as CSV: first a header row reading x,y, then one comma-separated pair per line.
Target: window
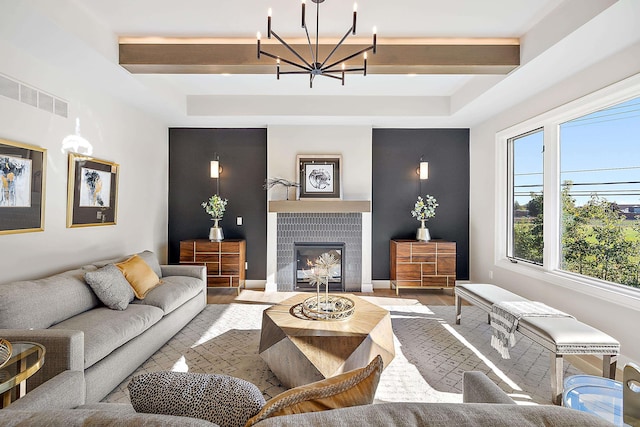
x,y
572,192
600,194
526,173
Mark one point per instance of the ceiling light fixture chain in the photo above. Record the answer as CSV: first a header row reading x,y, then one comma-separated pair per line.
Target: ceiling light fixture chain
x,y
317,68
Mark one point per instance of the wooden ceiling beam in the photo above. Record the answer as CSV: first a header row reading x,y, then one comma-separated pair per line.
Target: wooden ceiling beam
x,y
392,57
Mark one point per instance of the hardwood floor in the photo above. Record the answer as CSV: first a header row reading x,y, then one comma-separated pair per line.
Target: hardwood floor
x,y
588,364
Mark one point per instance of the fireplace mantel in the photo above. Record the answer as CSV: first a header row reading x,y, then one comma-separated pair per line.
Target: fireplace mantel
x,y
319,206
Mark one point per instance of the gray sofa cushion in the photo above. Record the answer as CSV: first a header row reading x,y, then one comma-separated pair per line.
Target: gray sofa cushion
x,y
151,260
105,329
224,400
110,286
82,417
38,304
172,293
149,257
440,415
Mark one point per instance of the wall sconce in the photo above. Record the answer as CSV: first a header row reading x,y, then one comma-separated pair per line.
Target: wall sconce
x,y
423,170
216,169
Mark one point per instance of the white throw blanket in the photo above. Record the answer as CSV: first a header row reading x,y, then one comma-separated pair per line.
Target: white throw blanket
x,y
505,317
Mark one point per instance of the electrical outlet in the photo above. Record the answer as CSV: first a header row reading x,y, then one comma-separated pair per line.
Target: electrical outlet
x,y
239,220
246,265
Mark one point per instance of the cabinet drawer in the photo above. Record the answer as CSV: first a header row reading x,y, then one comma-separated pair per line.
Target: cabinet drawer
x,y
186,252
229,264
446,247
424,258
447,264
408,272
407,283
206,246
429,269
207,257
220,281
213,268
436,281
230,247
421,248
403,252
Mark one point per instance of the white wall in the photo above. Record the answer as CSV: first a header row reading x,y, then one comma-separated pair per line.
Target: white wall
x,y
284,143
119,134
604,313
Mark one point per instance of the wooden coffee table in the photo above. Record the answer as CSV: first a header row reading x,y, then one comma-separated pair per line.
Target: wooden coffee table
x,y
300,351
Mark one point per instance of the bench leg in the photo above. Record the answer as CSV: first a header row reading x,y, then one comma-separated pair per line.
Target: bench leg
x,y
458,308
556,378
609,366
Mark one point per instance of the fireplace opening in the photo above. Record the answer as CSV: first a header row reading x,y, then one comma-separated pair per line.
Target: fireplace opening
x,y
306,255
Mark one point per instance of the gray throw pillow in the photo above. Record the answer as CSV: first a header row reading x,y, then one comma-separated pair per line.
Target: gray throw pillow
x,y
110,286
152,261
221,399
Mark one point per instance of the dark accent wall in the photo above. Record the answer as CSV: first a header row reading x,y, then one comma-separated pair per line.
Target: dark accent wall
x,y
396,186
243,157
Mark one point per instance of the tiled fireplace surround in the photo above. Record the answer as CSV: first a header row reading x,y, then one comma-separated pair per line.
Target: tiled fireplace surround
x,y
319,227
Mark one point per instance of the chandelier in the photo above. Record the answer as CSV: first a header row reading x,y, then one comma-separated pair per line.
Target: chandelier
x,y
326,68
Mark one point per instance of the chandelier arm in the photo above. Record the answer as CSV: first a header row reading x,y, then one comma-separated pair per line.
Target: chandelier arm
x,y
346,70
270,55
292,50
336,47
331,75
294,72
366,49
317,32
313,56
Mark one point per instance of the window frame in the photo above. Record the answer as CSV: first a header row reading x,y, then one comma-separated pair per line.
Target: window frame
x,y
550,122
510,250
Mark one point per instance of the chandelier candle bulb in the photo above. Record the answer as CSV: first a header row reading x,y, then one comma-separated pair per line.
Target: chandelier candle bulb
x,y
365,63
355,13
269,23
375,37
258,36
278,68
343,74
303,17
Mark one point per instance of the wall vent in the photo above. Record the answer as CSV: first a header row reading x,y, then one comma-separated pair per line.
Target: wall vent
x,y
29,95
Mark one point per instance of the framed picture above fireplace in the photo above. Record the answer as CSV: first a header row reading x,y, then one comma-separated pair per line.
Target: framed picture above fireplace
x,y
320,176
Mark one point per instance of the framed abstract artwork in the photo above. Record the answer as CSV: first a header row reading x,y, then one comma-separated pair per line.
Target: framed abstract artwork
x,y
22,187
92,192
320,176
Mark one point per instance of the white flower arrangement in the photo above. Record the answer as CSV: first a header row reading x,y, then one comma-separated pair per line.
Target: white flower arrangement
x,y
215,206
424,208
322,269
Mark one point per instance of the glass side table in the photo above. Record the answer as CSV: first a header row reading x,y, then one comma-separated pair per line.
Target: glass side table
x,y
596,395
26,359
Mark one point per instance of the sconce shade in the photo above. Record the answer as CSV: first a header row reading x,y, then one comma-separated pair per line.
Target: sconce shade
x,y
215,169
424,170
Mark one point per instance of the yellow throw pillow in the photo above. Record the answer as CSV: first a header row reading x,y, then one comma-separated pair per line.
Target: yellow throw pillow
x,y
352,388
139,275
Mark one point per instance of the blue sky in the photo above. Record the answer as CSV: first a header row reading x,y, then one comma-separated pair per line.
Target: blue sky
x,y
602,147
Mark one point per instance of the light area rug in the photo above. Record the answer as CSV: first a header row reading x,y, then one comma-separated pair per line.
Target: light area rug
x,y
431,354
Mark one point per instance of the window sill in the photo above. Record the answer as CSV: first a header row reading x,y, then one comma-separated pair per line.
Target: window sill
x,y
629,298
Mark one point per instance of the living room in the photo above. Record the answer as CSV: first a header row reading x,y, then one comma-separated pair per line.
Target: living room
x,y
573,54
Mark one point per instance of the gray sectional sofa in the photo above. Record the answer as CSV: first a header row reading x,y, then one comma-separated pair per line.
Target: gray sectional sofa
x,y
82,334
59,403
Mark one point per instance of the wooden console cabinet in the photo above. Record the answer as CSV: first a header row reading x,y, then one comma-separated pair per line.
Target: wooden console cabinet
x,y
225,261
422,265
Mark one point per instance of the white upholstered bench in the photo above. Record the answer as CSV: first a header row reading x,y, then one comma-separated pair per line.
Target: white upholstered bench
x,y
559,335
